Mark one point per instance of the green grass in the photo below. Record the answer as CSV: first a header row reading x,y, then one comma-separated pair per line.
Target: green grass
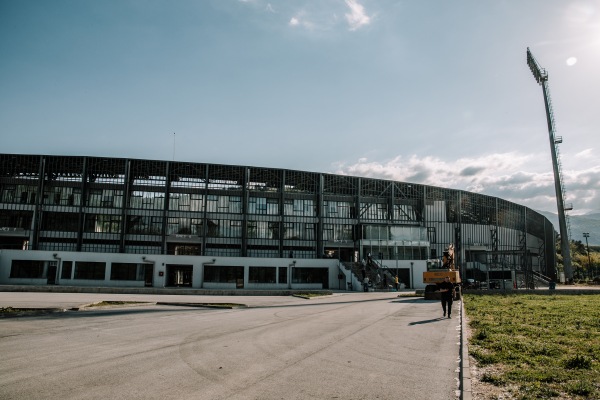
x,y
546,346
308,295
9,310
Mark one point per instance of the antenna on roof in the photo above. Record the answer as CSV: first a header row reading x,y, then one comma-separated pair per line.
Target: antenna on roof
x,y
173,146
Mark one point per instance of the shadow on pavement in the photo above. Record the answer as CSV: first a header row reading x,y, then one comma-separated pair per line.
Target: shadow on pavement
x,y
106,312
426,321
413,300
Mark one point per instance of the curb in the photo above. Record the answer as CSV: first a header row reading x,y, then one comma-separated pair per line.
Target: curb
x,y
202,305
465,368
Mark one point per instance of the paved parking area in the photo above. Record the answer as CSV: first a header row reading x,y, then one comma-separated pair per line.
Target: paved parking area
x,y
348,345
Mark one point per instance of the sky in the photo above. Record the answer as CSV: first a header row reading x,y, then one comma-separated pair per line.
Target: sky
x,y
430,92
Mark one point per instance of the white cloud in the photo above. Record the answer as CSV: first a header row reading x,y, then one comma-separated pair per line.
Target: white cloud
x,y
294,21
357,17
509,176
585,153
571,61
270,8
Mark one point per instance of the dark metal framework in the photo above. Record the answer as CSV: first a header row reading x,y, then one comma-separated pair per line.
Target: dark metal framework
x,y
115,205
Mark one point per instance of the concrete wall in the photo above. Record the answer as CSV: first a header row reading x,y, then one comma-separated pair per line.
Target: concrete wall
x,y
160,263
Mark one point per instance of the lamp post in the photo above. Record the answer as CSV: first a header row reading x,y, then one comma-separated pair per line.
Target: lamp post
x,y
586,235
396,253
412,281
541,77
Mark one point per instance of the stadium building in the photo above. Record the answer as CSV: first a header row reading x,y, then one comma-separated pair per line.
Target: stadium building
x,y
97,221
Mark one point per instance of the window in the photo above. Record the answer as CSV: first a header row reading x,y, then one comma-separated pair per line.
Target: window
x,y
251,230
257,205
329,208
196,202
89,270
197,226
263,230
273,230
67,269
282,275
328,233
309,231
8,194
213,228
147,200
185,202
299,231
374,210
177,202
431,235
344,209
300,207
311,275
333,232
235,204
211,203
101,223
187,250
262,274
223,274
60,222
126,272
94,198
272,207
64,196
178,226
32,269
292,230
144,225
236,229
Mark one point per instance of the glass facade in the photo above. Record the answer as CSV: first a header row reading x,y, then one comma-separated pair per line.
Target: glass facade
x,y
114,205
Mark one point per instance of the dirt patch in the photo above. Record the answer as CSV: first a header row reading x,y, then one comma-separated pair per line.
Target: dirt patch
x,y
482,390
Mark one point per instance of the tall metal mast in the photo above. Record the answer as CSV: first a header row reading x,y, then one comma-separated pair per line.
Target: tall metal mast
x,y
541,76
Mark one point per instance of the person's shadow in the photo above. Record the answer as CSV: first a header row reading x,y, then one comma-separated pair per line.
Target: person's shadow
x,y
426,321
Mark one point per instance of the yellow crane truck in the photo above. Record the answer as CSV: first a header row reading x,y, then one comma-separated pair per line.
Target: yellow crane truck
x,y
436,273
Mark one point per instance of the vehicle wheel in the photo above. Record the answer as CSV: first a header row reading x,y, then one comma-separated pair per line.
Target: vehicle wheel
x,y
457,293
431,288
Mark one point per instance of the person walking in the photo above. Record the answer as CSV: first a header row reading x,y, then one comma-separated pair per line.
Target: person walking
x,y
447,291
397,283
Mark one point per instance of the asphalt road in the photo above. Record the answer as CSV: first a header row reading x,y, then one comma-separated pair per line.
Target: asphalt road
x,y
355,346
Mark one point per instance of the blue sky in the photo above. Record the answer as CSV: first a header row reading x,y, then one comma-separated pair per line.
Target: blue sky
x,y
431,92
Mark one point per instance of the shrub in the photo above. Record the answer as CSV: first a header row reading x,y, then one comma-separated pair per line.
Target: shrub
x,y
578,362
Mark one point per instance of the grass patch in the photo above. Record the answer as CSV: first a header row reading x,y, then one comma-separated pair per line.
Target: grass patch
x,y
411,294
546,346
310,295
25,312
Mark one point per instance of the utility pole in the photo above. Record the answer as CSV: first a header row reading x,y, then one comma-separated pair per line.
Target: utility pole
x,y
541,76
586,235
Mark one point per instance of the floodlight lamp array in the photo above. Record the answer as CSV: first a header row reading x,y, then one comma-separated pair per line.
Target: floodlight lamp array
x,y
539,74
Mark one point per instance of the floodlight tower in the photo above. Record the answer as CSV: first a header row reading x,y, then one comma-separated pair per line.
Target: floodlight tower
x,y
541,76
